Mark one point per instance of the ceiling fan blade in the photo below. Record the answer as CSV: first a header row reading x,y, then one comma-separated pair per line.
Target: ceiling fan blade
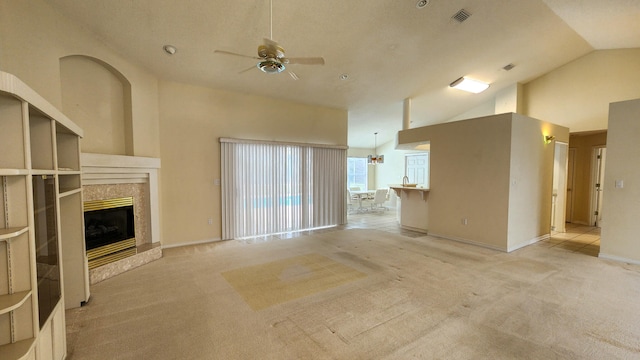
x,y
293,75
245,70
307,61
235,54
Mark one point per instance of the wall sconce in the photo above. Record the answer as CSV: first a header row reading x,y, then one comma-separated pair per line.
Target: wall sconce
x,y
548,139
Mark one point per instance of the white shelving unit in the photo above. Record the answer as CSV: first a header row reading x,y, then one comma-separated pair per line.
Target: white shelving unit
x,y
42,261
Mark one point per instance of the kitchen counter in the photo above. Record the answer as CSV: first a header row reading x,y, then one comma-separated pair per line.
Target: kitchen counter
x,y
413,208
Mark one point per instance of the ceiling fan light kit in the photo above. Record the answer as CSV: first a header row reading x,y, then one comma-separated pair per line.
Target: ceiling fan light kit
x,y
271,66
272,57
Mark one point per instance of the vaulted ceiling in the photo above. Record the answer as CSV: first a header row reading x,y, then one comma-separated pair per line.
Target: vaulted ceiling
x,y
389,50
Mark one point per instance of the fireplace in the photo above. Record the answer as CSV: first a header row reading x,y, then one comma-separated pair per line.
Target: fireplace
x,y
109,230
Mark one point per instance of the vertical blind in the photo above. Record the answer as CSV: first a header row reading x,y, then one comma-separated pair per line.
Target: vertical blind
x,y
270,188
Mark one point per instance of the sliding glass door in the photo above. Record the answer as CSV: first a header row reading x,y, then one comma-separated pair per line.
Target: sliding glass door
x,y
270,188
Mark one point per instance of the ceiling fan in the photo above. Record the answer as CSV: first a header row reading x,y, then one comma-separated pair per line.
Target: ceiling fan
x,y
271,55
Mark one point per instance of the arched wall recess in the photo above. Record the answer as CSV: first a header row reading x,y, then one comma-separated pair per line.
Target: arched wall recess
x,y
98,98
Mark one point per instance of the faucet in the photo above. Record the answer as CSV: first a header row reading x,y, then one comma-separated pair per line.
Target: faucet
x,y
405,180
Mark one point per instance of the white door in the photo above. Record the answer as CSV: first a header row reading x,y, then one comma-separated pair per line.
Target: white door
x,y
559,187
417,169
598,184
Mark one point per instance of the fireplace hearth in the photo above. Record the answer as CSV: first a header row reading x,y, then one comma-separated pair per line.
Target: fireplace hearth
x,y
109,230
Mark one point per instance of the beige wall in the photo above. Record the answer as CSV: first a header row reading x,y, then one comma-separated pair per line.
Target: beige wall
x,y
583,145
621,225
469,178
33,39
94,97
577,95
192,120
496,172
531,179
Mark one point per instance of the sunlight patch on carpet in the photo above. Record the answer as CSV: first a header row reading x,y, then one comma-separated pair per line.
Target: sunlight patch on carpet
x,y
265,285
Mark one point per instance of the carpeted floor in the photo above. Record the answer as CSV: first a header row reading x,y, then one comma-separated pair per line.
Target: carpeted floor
x,y
403,298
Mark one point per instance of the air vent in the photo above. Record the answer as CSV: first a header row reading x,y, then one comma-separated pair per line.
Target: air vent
x,y
508,67
461,15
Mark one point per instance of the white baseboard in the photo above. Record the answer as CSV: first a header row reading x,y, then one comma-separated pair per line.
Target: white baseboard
x,y
619,259
467,241
191,243
527,243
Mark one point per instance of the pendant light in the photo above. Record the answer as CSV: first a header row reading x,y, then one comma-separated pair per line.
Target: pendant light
x,y
375,159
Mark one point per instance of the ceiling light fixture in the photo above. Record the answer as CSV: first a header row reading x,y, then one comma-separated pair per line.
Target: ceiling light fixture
x,y
470,85
422,4
344,77
169,49
375,159
271,66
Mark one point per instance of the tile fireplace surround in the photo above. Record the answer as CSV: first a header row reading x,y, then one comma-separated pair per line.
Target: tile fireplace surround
x,y
114,176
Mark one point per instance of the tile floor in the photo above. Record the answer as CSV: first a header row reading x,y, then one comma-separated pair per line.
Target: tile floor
x,y
577,238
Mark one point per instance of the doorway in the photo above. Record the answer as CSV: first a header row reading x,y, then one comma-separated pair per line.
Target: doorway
x,y
559,196
597,184
571,184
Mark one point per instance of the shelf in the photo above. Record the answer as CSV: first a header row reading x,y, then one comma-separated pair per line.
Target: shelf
x,y
68,182
10,233
18,350
65,192
12,172
13,301
42,172
69,172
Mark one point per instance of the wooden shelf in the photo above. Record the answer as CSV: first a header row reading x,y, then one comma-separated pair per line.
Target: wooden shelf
x,y
10,233
36,140
13,172
18,350
13,301
65,193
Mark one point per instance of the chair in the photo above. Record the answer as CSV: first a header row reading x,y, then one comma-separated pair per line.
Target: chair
x,y
349,202
379,199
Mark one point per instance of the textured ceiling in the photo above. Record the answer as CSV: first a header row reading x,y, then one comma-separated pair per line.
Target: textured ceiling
x,y
390,49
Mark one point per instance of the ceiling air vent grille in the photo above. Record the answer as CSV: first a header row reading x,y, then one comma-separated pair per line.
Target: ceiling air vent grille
x,y
461,15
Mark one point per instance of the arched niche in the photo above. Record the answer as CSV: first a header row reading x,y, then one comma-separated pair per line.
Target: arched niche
x,y
97,97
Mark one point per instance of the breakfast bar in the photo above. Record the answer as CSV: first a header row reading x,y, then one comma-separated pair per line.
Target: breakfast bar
x,y
413,208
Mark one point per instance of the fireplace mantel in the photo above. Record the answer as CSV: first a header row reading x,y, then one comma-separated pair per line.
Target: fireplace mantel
x,y
102,169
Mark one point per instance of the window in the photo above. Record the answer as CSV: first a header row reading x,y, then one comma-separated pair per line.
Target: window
x,y
270,188
357,172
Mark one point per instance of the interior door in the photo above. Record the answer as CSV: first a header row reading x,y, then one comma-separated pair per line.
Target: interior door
x,y
559,185
570,184
598,184
417,169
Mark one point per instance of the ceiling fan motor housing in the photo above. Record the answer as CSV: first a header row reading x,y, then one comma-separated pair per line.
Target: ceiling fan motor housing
x,y
265,51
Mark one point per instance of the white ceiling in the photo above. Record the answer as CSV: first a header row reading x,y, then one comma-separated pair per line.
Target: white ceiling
x,y
390,49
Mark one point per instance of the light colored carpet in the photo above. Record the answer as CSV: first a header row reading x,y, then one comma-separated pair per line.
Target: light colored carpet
x,y
279,281
422,298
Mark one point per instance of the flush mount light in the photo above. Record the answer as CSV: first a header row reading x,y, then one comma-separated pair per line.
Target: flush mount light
x,y
169,49
470,85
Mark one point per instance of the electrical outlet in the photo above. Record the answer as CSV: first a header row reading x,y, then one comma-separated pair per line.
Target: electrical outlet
x,y
210,221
